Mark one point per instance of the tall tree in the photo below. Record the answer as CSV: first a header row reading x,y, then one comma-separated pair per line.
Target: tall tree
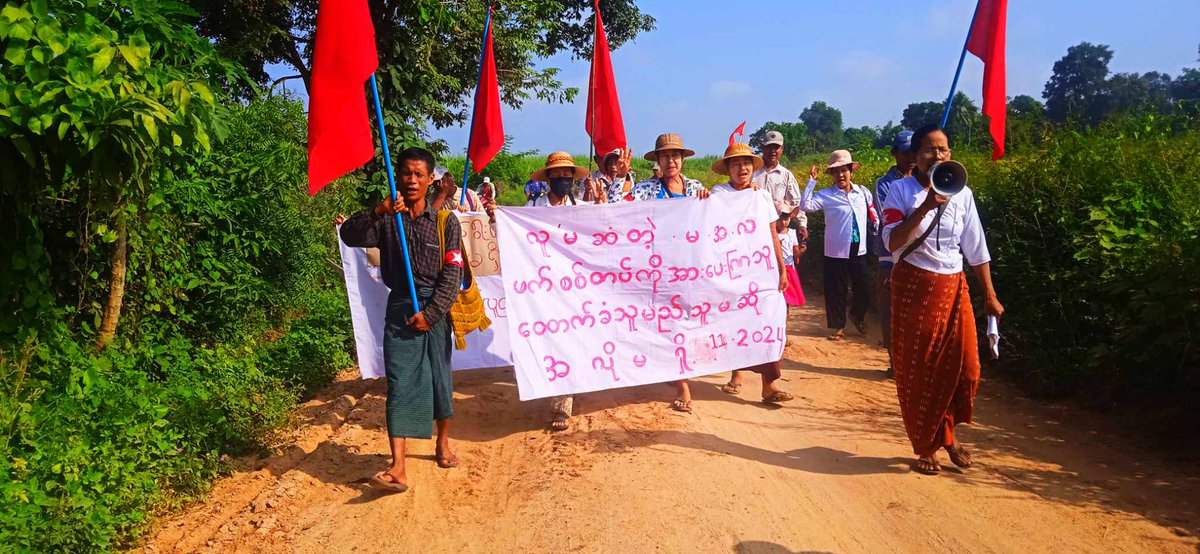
x,y
1078,89
796,141
824,123
1185,90
1026,123
918,114
860,138
1139,93
428,49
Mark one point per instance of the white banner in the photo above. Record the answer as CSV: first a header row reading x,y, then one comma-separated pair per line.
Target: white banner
x,y
368,308
620,295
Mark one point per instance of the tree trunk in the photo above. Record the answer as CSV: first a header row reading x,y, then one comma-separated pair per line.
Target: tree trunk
x,y
116,290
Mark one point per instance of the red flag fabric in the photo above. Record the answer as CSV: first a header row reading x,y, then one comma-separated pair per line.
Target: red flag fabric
x,y
741,130
603,123
987,42
487,128
344,57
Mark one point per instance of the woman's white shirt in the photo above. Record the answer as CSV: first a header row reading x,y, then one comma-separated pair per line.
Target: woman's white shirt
x,y
958,234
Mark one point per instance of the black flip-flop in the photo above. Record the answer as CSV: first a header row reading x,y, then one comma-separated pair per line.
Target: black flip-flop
x,y
933,468
960,457
392,486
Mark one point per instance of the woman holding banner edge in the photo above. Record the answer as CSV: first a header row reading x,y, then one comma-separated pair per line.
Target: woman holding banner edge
x,y
561,173
669,153
739,163
934,345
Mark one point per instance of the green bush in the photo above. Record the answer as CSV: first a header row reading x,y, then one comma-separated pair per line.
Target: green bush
x,y
1096,242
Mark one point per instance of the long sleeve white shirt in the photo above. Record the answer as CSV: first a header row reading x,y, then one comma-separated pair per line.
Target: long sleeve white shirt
x,y
842,210
958,234
784,188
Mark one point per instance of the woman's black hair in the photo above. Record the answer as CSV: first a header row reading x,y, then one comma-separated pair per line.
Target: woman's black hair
x,y
918,138
417,153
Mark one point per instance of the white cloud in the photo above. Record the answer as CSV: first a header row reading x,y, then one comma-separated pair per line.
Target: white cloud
x,y
724,90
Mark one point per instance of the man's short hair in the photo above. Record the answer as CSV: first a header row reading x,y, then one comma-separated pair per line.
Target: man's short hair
x,y
418,153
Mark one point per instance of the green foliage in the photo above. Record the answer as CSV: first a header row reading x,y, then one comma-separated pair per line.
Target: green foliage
x,y
796,140
230,308
1096,244
1076,90
824,123
428,49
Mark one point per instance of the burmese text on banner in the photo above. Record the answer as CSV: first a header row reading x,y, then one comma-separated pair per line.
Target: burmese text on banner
x,y
600,297
368,306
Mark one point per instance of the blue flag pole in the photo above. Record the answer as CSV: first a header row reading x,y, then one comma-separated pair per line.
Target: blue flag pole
x,y
387,160
487,28
961,58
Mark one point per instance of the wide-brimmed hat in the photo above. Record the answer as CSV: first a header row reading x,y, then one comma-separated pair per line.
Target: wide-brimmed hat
x,y
561,158
735,150
668,141
842,157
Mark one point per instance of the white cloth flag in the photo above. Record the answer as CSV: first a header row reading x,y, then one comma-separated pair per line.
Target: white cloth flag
x,y
368,309
619,295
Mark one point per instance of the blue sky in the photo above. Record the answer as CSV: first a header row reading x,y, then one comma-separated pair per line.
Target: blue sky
x,y
710,64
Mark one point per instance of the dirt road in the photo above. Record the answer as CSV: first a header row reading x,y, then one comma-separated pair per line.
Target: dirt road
x,y
826,473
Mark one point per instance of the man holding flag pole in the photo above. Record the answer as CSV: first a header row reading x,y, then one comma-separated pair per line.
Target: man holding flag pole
x,y
423,281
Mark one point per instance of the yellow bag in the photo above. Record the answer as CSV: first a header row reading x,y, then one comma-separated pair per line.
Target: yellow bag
x,y
467,313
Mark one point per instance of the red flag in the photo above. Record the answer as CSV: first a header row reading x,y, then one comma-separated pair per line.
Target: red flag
x,y
741,130
603,122
344,57
987,42
487,128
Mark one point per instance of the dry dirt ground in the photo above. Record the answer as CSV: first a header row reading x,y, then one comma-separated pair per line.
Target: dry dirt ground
x,y
828,472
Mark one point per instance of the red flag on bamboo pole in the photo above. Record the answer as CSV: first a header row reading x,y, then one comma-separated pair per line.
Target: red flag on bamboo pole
x,y
988,43
487,128
603,121
344,57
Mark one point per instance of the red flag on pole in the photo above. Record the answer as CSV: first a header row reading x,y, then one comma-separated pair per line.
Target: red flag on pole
x,y
603,122
987,42
487,128
344,57
741,130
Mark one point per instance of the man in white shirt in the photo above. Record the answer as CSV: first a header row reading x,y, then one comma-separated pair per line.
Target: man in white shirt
x,y
782,184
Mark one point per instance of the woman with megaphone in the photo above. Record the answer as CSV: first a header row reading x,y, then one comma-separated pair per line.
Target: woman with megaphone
x,y
930,225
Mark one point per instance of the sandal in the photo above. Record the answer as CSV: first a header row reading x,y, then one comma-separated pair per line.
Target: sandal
x,y
681,405
777,397
445,463
861,325
732,388
960,457
379,480
927,467
559,423
836,336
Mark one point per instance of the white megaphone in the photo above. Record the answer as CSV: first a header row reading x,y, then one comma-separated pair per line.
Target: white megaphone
x,y
948,177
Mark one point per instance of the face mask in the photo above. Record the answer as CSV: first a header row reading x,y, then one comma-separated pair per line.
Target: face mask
x,y
560,186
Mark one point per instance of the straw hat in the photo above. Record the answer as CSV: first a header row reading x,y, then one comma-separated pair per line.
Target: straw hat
x,y
561,158
668,141
735,150
842,157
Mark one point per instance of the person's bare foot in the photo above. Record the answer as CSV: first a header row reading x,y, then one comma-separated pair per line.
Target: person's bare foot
x,y
837,335
446,458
